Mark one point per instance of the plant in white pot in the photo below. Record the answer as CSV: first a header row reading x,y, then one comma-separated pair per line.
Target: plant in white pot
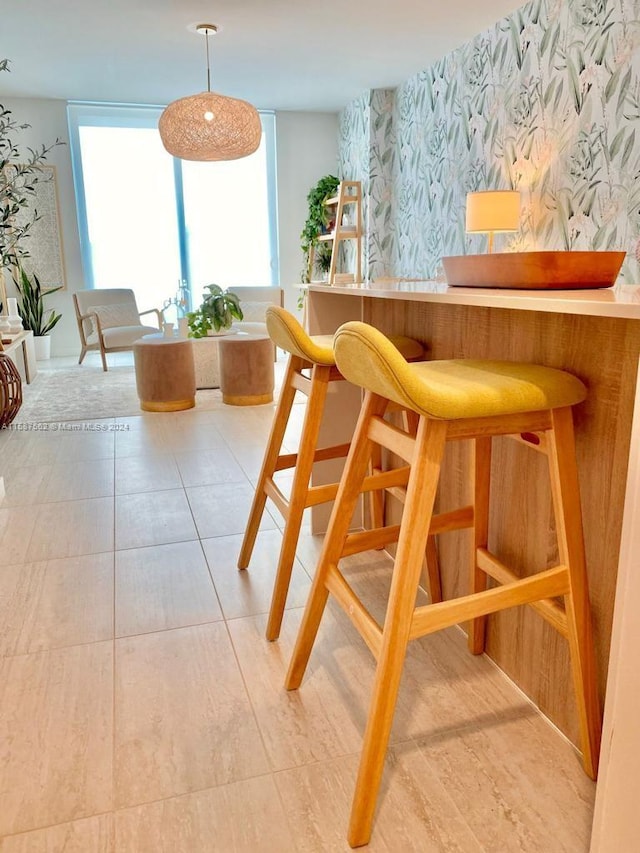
x,y
215,315
33,313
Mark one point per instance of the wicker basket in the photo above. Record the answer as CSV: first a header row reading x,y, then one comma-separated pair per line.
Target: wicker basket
x,y
10,390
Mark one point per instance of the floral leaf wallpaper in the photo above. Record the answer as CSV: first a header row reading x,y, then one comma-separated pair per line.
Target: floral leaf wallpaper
x,y
380,226
547,101
353,165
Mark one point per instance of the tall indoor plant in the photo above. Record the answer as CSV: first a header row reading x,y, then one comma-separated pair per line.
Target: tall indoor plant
x,y
33,313
317,223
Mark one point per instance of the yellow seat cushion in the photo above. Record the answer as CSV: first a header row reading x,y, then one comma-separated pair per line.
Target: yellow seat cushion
x,y
452,389
287,333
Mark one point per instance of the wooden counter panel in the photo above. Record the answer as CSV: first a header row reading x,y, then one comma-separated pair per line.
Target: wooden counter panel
x,y
603,352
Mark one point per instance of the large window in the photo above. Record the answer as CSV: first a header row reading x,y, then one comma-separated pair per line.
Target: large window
x,y
153,223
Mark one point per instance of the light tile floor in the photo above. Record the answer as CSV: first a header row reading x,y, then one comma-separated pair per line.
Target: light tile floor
x,y
142,710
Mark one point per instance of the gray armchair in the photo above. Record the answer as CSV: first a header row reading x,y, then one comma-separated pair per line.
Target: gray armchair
x,y
109,321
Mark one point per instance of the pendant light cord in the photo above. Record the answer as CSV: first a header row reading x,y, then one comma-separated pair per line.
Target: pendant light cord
x,y
206,36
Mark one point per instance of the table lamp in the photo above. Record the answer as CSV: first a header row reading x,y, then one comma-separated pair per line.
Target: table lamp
x,y
493,211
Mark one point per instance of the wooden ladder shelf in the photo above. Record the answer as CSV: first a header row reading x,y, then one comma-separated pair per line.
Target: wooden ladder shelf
x,y
348,203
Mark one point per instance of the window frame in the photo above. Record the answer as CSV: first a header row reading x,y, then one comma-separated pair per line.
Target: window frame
x,y
94,114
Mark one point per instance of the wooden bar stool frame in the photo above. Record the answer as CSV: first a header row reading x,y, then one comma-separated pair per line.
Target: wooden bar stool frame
x,y
315,355
302,494
549,431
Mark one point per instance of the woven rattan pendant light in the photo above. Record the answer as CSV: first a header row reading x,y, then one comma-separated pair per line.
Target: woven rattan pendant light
x,y
210,126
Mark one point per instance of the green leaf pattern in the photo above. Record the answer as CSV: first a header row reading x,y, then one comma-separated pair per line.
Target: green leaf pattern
x,y
547,101
380,231
353,163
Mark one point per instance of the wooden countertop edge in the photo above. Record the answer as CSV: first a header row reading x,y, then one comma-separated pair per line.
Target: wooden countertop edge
x,y
622,301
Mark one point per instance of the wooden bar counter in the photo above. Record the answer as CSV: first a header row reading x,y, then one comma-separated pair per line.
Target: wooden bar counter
x,y
594,334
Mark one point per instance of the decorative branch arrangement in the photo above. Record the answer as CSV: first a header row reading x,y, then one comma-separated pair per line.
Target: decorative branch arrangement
x,y
19,177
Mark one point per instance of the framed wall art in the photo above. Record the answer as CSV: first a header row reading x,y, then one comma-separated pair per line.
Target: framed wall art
x,y
44,243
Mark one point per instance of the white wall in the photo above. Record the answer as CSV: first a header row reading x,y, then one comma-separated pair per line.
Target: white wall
x,y
307,148
615,824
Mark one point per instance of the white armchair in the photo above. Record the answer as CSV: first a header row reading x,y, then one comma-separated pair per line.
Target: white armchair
x,y
109,321
254,302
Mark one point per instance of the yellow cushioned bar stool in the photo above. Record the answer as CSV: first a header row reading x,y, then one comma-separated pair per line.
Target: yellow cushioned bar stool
x,y
453,400
306,352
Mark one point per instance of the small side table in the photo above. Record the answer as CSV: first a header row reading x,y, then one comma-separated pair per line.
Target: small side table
x,y
246,369
165,376
21,350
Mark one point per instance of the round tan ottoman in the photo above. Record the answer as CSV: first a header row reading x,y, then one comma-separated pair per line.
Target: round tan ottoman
x,y
246,369
165,375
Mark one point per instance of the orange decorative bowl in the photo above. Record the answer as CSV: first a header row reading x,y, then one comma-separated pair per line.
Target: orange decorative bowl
x,y
535,270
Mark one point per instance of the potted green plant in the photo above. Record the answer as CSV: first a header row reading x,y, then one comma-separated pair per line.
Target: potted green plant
x,y
33,313
317,223
217,312
19,175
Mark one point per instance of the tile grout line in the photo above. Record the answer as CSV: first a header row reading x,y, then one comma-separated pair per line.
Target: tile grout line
x,y
272,771
113,663
285,811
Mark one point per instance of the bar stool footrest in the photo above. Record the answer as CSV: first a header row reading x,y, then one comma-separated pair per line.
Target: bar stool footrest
x,y
434,617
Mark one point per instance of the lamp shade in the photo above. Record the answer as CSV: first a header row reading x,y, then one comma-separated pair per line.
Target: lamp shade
x,y
210,126
493,210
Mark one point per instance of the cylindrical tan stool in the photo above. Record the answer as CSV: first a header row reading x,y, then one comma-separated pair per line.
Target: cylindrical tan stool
x,y
246,369
165,375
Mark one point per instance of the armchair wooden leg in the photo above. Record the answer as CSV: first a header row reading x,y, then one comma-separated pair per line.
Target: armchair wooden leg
x,y
82,355
103,356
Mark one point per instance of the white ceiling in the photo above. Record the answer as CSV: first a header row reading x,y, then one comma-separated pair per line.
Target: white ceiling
x,y
278,54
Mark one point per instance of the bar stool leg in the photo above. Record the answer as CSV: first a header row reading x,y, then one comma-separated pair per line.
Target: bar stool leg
x,y
274,444
376,499
431,562
414,530
481,479
298,497
356,468
566,499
